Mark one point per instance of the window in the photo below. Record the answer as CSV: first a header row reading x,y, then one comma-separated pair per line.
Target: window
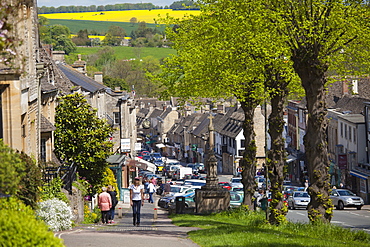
x,y
354,135
345,131
341,129
350,133
242,143
116,117
43,149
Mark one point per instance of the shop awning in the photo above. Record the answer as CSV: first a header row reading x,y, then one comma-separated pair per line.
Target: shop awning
x,y
116,160
359,174
160,145
142,164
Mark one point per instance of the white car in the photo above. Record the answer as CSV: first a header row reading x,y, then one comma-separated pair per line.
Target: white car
x,y
299,199
179,190
345,198
236,182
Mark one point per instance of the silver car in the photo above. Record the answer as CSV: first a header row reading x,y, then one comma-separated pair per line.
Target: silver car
x,y
299,199
345,198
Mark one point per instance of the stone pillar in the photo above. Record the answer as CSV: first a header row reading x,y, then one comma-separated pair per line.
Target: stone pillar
x,y
211,197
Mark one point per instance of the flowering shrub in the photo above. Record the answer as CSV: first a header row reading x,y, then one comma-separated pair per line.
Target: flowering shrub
x,y
19,226
91,216
56,214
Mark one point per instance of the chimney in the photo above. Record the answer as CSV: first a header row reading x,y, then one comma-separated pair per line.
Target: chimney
x,y
98,77
344,88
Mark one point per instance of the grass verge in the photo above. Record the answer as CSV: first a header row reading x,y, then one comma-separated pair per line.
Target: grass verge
x,y
245,228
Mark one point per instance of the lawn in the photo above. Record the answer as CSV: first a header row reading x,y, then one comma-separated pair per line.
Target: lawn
x,y
149,16
124,52
240,228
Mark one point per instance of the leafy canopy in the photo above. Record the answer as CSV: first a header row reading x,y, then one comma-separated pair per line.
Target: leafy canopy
x,y
81,137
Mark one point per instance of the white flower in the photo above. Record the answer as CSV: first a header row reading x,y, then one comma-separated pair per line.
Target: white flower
x,y
56,214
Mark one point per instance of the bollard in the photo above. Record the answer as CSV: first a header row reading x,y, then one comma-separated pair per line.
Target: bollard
x,y
119,212
155,214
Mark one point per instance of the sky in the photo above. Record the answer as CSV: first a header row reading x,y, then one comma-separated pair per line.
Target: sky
x,y
57,3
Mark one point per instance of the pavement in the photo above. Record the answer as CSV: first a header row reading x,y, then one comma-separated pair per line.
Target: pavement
x,y
155,229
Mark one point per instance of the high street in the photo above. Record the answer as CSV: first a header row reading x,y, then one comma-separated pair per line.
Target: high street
x,y
348,218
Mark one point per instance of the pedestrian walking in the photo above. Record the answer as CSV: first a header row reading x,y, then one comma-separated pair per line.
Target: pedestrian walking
x,y
113,195
151,189
136,200
105,204
167,188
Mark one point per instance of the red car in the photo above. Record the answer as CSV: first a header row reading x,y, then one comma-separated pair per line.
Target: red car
x,y
225,185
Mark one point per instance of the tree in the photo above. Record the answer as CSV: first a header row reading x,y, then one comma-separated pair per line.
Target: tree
x,y
133,21
321,35
217,58
57,35
82,138
82,38
11,170
114,36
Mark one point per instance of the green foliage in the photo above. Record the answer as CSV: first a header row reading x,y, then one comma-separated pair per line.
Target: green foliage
x,y
19,226
91,216
82,38
114,36
82,138
57,35
30,183
12,170
109,179
186,4
100,27
53,189
146,36
125,53
113,82
102,58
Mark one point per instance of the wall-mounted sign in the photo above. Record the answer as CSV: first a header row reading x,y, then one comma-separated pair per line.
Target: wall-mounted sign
x,y
342,161
125,145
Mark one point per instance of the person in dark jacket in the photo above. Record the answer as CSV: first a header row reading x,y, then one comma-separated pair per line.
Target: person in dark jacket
x,y
113,196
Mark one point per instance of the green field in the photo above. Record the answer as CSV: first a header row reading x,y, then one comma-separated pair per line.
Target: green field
x,y
99,26
124,52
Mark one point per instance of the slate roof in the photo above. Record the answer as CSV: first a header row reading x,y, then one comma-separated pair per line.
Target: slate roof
x,y
231,123
353,118
202,128
81,80
155,113
61,82
46,125
351,104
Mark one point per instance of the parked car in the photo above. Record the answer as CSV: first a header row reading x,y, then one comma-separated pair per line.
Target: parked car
x,y
193,167
181,190
156,156
189,200
194,182
236,199
342,198
236,182
147,157
201,167
150,176
299,199
225,185
260,182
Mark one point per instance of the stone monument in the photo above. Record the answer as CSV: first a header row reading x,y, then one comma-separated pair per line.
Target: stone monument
x,y
211,197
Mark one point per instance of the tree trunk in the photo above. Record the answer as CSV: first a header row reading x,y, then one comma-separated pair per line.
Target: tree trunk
x,y
248,162
312,73
276,156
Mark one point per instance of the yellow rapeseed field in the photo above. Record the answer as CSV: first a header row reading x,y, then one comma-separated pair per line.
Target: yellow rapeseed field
x,y
148,16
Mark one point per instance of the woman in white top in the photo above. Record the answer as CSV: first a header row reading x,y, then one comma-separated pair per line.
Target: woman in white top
x,y
136,200
151,189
